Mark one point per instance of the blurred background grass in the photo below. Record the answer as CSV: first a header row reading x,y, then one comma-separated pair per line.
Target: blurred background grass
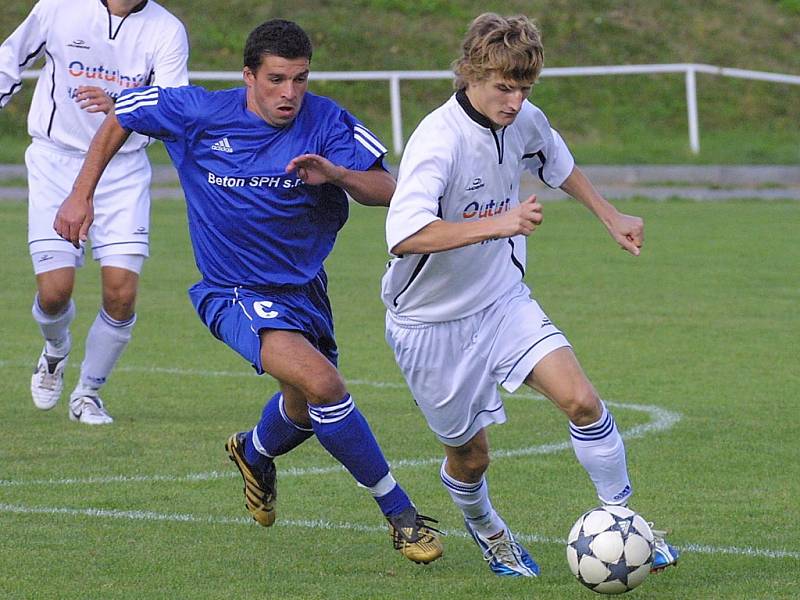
x,y
605,119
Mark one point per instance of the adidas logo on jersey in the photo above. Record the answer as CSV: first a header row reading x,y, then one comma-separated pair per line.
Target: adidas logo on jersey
x,y
223,146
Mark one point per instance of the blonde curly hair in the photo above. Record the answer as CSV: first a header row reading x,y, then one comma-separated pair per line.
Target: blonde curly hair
x,y
509,46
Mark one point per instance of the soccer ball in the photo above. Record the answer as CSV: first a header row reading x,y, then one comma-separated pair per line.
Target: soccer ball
x,y
610,549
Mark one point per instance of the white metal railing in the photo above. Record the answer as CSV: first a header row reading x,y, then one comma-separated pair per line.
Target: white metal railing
x,y
689,70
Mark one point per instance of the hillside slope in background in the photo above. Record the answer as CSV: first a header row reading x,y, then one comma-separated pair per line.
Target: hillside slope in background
x,y
605,119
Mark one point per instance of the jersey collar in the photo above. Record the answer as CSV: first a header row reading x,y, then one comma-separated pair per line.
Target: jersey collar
x,y
472,112
483,121
135,9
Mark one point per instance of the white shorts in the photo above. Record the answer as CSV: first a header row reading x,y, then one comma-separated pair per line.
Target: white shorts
x,y
121,202
453,368
44,262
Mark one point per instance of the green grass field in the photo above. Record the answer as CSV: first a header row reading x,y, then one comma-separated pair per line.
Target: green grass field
x,y
691,343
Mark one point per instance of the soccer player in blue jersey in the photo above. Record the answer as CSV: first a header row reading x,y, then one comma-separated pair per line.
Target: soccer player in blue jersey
x,y
266,170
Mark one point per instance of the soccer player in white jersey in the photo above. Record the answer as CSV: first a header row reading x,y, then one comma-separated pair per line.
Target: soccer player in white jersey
x,y
266,170
94,50
460,320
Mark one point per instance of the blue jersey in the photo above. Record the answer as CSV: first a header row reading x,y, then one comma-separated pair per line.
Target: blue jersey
x,y
251,223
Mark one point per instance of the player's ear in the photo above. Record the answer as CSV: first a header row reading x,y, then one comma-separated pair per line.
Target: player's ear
x,y
248,76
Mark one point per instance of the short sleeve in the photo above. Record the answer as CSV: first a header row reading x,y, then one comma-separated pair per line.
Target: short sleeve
x,y
153,111
546,154
170,66
424,172
350,144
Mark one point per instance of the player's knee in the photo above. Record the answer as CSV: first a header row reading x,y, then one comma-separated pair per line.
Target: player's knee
x,y
53,301
476,465
324,389
119,301
469,465
585,407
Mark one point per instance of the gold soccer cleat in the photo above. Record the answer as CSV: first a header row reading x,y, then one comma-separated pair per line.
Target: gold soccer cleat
x,y
411,535
260,492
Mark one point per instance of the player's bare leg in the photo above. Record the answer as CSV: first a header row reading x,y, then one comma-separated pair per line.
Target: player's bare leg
x,y
593,432
595,438
120,287
559,377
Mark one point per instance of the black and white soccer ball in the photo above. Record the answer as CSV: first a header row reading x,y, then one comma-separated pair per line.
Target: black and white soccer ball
x,y
610,549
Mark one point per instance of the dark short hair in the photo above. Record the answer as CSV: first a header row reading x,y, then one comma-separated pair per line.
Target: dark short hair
x,y
277,37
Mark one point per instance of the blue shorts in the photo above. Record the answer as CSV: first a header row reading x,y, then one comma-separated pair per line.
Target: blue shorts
x,y
237,315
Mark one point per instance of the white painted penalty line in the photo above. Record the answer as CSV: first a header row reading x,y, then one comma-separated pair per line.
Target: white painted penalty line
x,y
151,516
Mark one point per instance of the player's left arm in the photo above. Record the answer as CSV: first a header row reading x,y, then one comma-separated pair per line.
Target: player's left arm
x,y
373,187
627,230
547,155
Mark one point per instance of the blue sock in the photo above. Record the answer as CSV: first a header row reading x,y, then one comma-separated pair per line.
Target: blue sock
x,y
344,432
274,435
393,502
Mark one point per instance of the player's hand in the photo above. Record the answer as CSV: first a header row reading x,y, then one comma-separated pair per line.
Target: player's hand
x,y
522,219
73,219
628,231
314,169
94,99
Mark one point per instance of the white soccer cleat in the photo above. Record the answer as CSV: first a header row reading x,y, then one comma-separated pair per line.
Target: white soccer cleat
x,y
89,410
47,381
506,556
664,555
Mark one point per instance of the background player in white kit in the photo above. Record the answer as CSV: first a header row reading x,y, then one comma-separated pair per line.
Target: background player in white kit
x,y
95,49
460,320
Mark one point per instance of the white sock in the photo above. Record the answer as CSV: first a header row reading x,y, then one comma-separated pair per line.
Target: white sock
x,y
383,487
106,341
473,500
600,450
54,328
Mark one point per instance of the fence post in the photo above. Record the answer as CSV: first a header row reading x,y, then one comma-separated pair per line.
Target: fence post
x,y
397,117
691,108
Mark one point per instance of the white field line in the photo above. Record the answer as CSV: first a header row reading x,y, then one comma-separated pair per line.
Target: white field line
x,y
661,420
150,516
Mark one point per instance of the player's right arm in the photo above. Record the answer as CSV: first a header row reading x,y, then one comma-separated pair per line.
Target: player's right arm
x,y
150,111
77,212
440,235
19,51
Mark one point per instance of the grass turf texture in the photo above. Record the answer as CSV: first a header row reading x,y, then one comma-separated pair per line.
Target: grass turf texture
x,y
701,325
605,119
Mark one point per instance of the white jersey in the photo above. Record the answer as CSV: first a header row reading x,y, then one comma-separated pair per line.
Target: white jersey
x,y
84,44
456,167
